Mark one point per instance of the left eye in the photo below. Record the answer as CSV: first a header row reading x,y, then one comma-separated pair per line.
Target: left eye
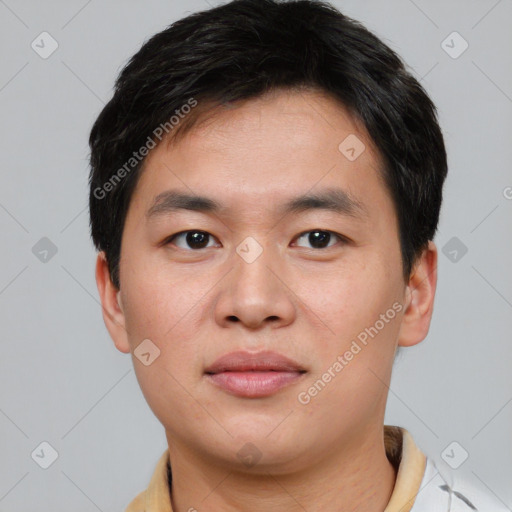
x,y
320,238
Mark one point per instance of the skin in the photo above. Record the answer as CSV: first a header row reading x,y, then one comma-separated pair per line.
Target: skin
x,y
307,303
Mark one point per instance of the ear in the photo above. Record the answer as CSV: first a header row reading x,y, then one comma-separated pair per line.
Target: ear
x,y
419,303
110,296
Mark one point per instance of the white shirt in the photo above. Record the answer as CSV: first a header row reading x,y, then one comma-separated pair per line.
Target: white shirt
x,y
449,492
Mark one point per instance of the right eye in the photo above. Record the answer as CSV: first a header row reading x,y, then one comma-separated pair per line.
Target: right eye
x,y
195,239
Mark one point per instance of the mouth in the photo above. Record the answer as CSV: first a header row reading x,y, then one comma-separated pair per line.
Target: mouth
x,y
254,375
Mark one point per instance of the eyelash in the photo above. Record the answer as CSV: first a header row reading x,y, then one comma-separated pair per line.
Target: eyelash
x,y
342,238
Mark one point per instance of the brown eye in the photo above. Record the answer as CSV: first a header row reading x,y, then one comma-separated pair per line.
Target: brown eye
x,y
193,239
320,238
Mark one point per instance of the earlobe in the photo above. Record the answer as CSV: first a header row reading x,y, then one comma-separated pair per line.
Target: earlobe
x,y
419,301
110,296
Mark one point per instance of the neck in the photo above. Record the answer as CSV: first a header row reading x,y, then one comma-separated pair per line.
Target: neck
x,y
356,478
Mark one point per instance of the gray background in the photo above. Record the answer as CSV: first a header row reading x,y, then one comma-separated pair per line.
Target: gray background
x,y
63,381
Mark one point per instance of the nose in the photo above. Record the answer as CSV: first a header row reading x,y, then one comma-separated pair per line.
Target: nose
x,y
255,293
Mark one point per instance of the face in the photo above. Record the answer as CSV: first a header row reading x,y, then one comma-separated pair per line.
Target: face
x,y
320,283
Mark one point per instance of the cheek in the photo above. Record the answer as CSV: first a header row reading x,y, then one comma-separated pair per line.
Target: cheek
x,y
351,304
158,301
160,311
167,308
349,299
167,392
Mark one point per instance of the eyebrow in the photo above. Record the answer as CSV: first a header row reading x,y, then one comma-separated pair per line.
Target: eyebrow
x,y
332,199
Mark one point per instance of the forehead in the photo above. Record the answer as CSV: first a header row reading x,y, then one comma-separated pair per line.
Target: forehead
x,y
276,147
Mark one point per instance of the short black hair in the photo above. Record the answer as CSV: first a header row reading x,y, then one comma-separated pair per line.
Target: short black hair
x,y
244,49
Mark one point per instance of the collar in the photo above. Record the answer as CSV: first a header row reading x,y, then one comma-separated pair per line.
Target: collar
x,y
401,450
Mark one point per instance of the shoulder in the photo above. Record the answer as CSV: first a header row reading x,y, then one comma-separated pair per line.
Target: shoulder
x,y
138,503
447,491
157,495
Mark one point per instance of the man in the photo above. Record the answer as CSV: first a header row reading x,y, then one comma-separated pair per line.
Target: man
x,y
265,188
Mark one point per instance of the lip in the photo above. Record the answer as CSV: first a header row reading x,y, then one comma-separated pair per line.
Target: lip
x,y
241,361
253,375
